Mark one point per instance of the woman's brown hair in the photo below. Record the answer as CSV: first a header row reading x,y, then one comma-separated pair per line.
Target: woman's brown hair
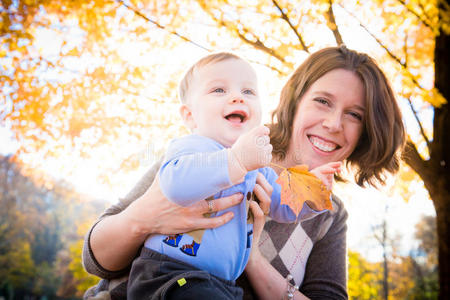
x,y
383,136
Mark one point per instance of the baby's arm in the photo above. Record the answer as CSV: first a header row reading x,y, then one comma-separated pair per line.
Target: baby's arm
x,y
326,172
194,169
197,167
278,212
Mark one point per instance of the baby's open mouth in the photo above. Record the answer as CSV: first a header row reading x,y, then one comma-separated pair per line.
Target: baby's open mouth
x,y
237,116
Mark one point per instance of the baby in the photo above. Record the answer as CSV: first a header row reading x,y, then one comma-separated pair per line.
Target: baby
x,y
223,156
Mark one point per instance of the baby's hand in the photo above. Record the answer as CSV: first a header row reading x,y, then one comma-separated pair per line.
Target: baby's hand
x,y
326,172
253,149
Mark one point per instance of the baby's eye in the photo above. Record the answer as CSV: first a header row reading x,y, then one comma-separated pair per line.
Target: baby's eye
x,y
249,92
218,90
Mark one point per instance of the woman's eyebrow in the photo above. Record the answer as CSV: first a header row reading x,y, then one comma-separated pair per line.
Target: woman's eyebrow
x,y
361,108
323,93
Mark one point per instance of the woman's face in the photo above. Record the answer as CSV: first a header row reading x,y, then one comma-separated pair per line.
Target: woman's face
x,y
329,120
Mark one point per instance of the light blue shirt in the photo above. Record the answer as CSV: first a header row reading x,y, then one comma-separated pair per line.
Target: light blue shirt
x,y
195,168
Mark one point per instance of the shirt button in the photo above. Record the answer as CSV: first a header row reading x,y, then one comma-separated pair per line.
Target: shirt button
x,y
249,196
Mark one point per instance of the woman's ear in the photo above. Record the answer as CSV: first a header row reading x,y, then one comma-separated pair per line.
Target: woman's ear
x,y
186,115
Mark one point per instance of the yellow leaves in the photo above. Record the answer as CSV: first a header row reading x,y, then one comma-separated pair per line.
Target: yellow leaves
x,y
285,50
406,183
83,280
363,277
298,185
407,175
73,52
433,97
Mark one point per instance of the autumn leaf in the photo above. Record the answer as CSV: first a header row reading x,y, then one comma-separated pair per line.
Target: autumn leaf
x,y
298,186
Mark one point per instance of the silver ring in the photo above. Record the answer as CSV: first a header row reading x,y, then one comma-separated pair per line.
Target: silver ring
x,y
210,206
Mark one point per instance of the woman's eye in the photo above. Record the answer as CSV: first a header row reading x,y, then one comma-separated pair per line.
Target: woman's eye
x,y
249,92
219,90
321,101
356,115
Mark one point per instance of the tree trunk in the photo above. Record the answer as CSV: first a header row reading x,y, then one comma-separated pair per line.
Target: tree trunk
x,y
435,172
441,161
442,205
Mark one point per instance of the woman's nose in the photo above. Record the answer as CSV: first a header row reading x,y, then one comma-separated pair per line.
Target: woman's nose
x,y
333,121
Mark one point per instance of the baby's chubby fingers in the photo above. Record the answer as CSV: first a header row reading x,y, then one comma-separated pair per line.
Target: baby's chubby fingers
x,y
260,130
253,149
329,168
263,146
336,165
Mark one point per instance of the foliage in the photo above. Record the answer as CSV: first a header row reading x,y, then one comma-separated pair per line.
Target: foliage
x,y
363,278
36,228
81,279
426,233
413,276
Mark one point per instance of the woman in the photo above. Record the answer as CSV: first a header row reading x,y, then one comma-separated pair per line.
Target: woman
x,y
337,106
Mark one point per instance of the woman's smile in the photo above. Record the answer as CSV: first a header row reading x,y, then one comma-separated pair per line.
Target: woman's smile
x,y
322,144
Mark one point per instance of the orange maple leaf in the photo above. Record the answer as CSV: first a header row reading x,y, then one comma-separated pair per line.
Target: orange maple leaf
x,y
298,186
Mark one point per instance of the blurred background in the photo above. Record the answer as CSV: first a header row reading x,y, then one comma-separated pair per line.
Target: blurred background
x,y
88,101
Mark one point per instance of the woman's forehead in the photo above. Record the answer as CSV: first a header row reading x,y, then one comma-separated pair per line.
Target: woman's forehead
x,y
340,84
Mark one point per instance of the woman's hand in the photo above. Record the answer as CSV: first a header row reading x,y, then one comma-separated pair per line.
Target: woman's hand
x,y
116,239
154,213
263,191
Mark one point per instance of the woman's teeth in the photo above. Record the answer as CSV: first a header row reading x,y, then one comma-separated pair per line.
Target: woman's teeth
x,y
322,145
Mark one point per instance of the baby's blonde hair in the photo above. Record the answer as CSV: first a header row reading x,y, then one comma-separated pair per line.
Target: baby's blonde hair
x,y
209,59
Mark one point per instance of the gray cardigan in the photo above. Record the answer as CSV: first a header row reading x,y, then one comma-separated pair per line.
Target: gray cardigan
x,y
313,250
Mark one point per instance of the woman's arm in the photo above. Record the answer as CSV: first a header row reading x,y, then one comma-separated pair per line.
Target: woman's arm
x,y
115,240
325,273
266,280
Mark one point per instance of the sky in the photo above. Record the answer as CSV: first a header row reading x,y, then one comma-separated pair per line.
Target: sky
x,y
366,207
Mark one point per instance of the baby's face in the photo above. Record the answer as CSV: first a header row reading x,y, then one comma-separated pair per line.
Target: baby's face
x,y
223,100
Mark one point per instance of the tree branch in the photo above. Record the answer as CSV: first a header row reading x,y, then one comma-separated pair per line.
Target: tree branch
x,y
412,157
425,20
331,23
405,48
422,131
138,13
258,44
286,18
